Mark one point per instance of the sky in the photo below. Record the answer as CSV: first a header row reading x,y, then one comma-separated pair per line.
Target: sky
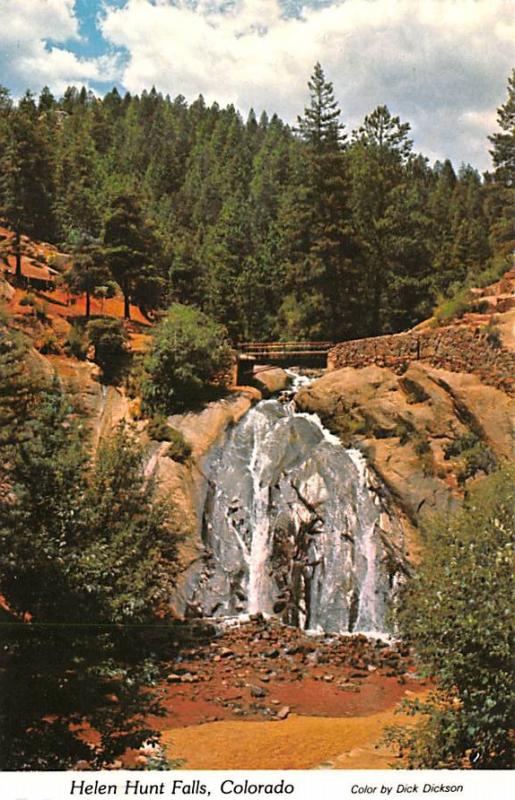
x,y
441,65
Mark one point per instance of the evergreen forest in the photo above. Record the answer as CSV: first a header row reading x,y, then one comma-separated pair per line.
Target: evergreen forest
x,y
277,232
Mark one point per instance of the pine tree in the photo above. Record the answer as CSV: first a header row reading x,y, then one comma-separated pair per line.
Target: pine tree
x,y
97,563
128,244
89,269
501,185
27,173
317,245
503,152
385,214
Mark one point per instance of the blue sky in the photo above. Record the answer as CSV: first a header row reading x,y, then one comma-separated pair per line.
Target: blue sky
x,y
442,65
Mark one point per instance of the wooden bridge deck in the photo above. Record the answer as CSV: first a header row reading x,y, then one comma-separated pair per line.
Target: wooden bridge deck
x,y
253,351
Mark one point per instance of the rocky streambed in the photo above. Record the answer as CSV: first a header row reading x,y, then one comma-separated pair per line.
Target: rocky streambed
x,y
259,670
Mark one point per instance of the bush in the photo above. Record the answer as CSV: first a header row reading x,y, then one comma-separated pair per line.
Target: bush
x,y
475,456
179,449
159,429
454,308
460,445
189,354
28,300
50,345
109,338
77,343
493,335
478,459
456,613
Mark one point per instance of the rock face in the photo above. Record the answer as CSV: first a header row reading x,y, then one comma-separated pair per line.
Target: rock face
x,y
411,427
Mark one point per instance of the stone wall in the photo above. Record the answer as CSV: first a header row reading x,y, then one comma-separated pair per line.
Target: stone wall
x,y
455,349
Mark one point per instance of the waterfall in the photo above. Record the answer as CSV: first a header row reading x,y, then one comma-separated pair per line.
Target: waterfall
x,y
291,526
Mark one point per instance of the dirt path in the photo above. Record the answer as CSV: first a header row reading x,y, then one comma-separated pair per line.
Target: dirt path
x,y
298,742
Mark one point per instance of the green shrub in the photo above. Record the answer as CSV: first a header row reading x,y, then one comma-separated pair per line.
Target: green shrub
x,y
41,310
77,343
159,429
478,459
421,445
457,615
28,300
109,338
347,427
404,431
179,449
50,345
135,377
492,273
189,353
475,456
453,308
460,445
493,335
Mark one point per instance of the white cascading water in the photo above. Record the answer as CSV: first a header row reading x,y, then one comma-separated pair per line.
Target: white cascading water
x,y
292,527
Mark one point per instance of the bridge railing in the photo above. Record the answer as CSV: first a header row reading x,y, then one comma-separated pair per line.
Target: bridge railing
x,y
288,348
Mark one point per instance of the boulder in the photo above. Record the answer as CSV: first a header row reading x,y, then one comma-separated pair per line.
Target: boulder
x,y
271,380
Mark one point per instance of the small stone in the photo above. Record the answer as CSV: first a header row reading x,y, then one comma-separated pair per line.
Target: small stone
x,y
257,691
283,712
328,678
173,678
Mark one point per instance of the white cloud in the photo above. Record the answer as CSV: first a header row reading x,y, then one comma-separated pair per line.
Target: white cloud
x,y
440,64
26,58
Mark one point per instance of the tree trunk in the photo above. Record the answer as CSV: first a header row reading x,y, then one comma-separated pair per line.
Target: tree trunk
x,y
127,302
88,303
376,307
17,251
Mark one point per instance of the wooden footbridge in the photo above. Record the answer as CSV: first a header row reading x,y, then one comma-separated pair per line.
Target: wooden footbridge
x,y
282,354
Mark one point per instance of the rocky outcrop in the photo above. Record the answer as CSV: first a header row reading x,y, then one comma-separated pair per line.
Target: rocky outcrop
x,y
425,432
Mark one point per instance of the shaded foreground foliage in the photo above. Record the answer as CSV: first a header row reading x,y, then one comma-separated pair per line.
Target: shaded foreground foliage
x,y
87,559
457,613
